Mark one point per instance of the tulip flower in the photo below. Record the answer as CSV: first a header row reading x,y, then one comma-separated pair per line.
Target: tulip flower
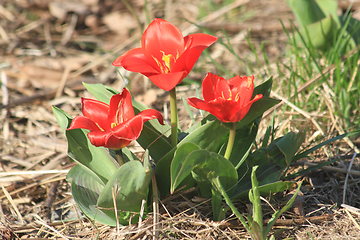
x,y
113,126
165,56
230,100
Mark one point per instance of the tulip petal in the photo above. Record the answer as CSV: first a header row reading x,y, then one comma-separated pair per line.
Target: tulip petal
x,y
83,122
161,37
129,130
208,86
149,114
106,139
167,81
194,46
245,109
97,111
245,89
134,60
223,109
121,109
199,104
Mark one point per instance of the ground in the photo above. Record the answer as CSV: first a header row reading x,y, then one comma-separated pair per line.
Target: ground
x,y
48,48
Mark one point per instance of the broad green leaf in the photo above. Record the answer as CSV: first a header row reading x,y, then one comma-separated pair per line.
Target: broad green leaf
x,y
86,188
97,159
264,88
266,189
100,92
321,34
202,163
352,28
203,137
256,110
306,11
62,118
290,144
177,165
130,184
329,8
244,139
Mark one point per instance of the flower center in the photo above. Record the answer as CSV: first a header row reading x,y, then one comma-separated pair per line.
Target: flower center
x,y
237,97
167,62
119,116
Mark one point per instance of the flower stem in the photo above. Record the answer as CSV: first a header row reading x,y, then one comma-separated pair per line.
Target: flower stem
x,y
231,140
119,156
216,183
174,117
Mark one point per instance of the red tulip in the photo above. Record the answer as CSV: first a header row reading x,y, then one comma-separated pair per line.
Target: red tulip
x,y
113,126
165,56
230,100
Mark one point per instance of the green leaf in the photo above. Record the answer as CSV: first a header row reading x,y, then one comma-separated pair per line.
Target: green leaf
x,y
321,34
62,118
203,138
353,28
256,110
266,189
130,184
244,139
97,159
306,11
202,163
100,92
329,8
86,187
307,152
290,144
264,88
177,165
254,197
277,214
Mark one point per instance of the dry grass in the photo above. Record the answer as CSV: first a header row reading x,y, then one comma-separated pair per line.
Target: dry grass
x,y
44,57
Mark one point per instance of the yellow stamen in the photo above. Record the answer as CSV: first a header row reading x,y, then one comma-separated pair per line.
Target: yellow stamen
x,y
167,62
119,116
99,126
249,81
237,97
222,94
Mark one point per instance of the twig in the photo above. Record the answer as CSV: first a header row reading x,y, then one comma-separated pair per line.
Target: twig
x,y
13,204
316,219
304,113
5,101
352,219
69,32
335,169
155,207
50,198
347,176
64,78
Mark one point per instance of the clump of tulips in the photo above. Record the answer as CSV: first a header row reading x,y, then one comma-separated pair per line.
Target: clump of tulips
x,y
110,184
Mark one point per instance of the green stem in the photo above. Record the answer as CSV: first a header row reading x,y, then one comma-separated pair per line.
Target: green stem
x,y
216,183
174,117
119,156
256,201
231,140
